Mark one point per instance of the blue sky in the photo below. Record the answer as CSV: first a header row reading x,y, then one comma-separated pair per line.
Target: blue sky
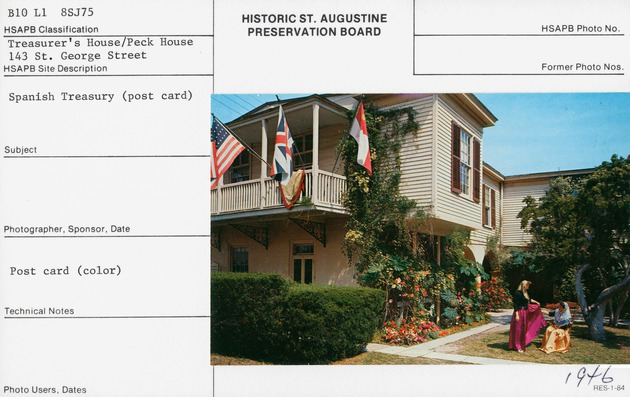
x,y
535,132
551,132
229,107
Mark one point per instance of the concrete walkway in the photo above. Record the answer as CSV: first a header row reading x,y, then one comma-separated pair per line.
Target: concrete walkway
x,y
500,321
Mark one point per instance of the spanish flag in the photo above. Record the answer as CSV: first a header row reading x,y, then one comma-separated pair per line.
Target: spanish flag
x,y
359,132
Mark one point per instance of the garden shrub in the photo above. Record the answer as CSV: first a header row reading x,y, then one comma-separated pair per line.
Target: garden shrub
x,y
266,316
327,323
245,311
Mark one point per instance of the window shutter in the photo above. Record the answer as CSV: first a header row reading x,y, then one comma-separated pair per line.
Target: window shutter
x,y
493,209
476,170
456,184
484,215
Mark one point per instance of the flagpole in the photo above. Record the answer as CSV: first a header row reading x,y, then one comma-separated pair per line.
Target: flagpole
x,y
293,144
238,138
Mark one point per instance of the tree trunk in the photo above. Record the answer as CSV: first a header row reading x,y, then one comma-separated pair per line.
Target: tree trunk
x,y
594,314
611,313
609,304
622,298
595,322
620,305
579,290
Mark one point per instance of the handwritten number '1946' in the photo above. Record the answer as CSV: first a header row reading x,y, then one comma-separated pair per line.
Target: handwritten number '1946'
x,y
583,373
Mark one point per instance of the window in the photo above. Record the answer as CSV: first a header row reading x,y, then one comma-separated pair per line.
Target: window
x,y
489,217
240,259
465,163
303,263
239,170
304,151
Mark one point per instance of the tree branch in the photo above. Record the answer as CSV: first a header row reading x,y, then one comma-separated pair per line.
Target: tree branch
x,y
610,292
579,289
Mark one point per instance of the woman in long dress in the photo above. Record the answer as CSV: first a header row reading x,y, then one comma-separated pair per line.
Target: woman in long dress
x,y
557,337
527,319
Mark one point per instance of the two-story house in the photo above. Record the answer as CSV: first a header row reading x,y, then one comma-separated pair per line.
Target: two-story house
x,y
442,168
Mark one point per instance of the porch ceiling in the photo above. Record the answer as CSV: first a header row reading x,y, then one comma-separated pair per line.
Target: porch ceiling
x,y
299,117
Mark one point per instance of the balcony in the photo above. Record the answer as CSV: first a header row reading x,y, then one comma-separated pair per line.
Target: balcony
x,y
257,197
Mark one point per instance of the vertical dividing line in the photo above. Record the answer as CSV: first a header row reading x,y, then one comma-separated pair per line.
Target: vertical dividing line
x,y
213,41
413,15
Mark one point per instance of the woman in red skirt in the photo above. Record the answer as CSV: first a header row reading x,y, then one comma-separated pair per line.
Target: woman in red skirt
x,y
527,319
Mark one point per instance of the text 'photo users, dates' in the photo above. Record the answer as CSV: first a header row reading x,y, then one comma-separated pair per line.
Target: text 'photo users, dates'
x,y
43,390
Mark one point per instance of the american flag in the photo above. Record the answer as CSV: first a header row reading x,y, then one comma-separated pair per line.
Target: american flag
x,y
282,167
225,148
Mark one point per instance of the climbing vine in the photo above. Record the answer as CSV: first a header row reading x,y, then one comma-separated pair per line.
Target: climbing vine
x,y
378,232
377,229
383,235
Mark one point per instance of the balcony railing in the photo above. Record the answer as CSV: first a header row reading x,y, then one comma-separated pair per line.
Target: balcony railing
x,y
264,194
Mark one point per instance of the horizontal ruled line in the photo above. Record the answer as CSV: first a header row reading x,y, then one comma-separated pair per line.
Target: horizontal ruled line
x,y
120,236
108,35
519,34
519,74
131,156
95,317
110,75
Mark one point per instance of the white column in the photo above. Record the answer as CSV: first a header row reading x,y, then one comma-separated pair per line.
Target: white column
x,y
315,153
263,164
220,195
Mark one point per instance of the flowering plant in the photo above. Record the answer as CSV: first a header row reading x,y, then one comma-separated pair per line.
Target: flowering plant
x,y
409,332
496,296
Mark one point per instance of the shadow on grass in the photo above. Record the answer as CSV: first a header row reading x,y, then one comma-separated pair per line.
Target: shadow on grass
x,y
499,346
613,341
579,333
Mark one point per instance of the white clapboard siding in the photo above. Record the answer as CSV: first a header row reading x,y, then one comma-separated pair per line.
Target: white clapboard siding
x,y
515,189
416,154
449,206
514,193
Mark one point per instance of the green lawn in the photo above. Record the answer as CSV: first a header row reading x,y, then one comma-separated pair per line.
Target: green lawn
x,y
615,350
369,358
376,358
220,359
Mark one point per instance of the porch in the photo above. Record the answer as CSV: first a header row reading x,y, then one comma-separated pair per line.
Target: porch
x,y
317,125
323,190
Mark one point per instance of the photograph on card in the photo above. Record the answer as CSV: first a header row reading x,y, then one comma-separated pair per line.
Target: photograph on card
x,y
389,229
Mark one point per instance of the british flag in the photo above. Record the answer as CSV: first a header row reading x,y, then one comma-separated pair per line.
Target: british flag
x,y
282,167
225,148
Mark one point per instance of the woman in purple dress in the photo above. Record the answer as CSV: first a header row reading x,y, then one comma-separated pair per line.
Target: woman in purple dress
x,y
527,319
